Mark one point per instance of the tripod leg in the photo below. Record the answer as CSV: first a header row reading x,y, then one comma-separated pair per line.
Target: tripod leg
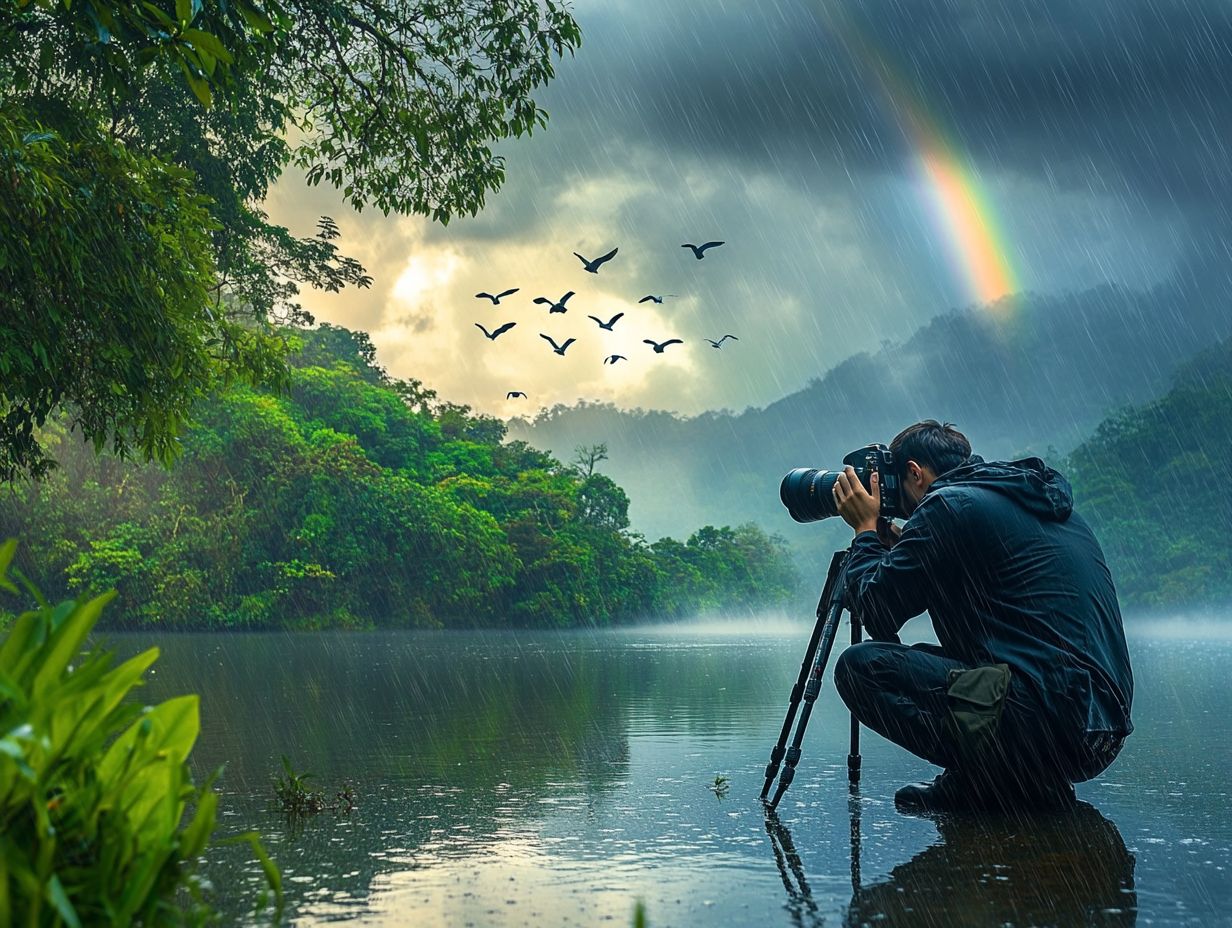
x,y
811,690
780,747
853,809
853,753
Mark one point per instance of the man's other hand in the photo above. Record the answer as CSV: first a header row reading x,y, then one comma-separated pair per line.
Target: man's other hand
x,y
858,507
888,532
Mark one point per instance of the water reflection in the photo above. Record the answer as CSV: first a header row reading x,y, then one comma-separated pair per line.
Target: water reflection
x,y
1061,869
554,779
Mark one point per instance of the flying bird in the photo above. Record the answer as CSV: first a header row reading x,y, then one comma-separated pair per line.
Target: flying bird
x,y
496,299
555,307
500,331
593,266
559,349
652,298
613,358
699,251
606,325
659,346
514,394
719,343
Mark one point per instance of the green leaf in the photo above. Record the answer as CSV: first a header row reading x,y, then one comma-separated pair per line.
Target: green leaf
x,y
208,43
199,87
60,902
7,550
10,748
66,641
257,21
31,138
273,876
163,19
197,834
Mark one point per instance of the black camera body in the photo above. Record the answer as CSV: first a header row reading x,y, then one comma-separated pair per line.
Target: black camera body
x,y
808,493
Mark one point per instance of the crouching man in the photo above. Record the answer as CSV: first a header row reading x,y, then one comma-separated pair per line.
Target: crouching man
x,y
1030,688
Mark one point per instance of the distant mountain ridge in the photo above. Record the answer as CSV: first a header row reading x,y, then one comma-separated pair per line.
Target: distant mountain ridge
x,y
1031,374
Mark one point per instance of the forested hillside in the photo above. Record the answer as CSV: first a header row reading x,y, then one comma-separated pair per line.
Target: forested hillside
x,y
1154,481
1035,374
358,500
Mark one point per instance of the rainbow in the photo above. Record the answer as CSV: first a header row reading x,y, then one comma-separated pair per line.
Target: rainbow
x,y
958,204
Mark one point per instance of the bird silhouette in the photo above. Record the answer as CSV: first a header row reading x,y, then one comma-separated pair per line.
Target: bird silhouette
x,y
719,343
659,346
514,394
613,358
699,251
593,266
559,349
496,299
652,298
500,331
606,325
555,307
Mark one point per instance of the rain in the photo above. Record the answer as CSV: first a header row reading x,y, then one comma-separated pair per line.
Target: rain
x,y
1016,218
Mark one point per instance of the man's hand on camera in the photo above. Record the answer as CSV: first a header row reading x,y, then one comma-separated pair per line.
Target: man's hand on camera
x,y
859,508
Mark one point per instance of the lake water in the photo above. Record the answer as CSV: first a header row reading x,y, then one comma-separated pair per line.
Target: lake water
x,y
556,779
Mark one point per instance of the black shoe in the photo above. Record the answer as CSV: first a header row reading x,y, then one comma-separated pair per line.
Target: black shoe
x,y
952,791
948,792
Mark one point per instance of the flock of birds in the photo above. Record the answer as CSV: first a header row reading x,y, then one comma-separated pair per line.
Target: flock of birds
x,y
559,306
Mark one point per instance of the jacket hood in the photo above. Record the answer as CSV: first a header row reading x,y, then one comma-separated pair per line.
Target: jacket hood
x,y
1029,482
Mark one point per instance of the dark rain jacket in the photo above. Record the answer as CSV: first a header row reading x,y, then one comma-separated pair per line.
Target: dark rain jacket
x,y
1009,573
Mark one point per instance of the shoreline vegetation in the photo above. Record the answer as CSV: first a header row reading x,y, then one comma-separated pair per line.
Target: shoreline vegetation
x,y
1153,482
353,500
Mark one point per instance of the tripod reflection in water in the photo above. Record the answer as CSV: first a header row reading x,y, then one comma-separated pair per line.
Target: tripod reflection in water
x,y
800,902
1065,869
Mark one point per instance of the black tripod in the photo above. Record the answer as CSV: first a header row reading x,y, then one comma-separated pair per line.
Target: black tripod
x,y
808,684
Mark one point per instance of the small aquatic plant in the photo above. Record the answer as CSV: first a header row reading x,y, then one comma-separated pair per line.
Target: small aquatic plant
x,y
296,798
294,795
720,785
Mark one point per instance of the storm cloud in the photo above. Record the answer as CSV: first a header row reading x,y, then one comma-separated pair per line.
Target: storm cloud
x,y
1096,131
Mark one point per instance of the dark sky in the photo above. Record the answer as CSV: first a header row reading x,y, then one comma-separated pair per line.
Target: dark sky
x,y
1096,132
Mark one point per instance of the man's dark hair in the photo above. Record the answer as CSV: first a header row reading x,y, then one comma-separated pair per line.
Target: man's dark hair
x,y
932,444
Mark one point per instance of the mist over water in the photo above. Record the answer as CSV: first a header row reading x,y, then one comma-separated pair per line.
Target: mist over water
x,y
556,778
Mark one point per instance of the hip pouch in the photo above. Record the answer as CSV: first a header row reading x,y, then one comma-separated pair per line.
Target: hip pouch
x,y
976,698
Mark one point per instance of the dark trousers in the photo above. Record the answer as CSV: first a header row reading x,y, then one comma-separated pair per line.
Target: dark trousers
x,y
900,693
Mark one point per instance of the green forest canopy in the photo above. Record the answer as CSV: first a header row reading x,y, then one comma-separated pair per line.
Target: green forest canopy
x,y
1153,480
138,271
357,500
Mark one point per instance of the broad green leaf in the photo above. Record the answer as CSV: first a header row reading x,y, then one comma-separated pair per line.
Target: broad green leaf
x,y
8,549
16,752
66,641
199,87
197,833
171,727
60,902
205,41
257,20
166,21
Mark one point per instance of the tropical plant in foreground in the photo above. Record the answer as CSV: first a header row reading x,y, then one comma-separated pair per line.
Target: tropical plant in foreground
x,y
100,821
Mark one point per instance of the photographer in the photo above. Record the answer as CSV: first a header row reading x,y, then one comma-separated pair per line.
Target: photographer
x,y
1030,689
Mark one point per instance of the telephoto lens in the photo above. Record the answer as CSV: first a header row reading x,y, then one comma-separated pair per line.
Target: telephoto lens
x,y
808,493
